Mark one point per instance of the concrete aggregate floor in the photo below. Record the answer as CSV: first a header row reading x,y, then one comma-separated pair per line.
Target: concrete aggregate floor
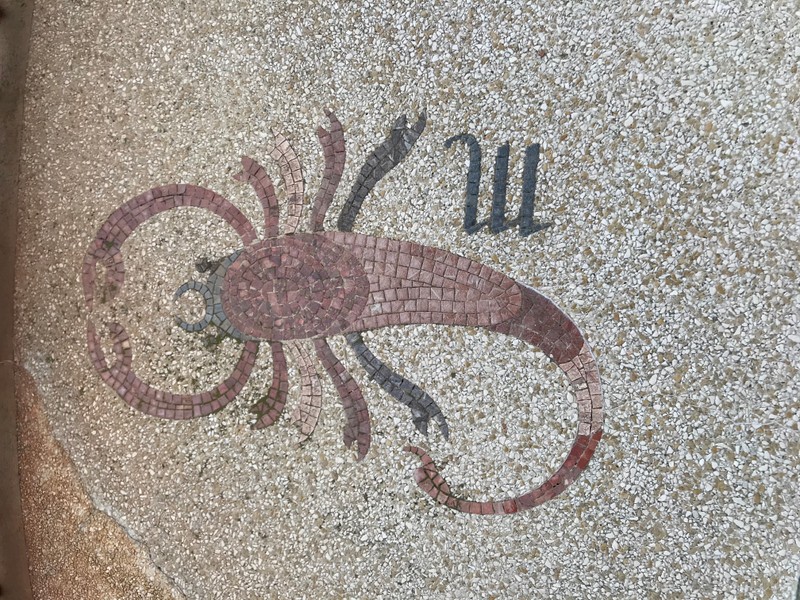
x,y
669,171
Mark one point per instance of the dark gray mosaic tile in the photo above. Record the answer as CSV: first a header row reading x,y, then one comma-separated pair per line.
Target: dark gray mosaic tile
x,y
382,160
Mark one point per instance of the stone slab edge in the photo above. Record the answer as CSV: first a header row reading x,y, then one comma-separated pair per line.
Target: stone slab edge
x,y
75,551
15,29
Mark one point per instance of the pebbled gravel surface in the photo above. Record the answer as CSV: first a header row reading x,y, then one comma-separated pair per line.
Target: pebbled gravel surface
x,y
669,171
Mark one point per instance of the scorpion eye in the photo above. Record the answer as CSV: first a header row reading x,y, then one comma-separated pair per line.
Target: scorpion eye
x,y
203,289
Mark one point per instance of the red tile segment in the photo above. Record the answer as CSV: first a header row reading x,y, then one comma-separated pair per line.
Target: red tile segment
x,y
334,150
292,176
257,176
270,407
355,408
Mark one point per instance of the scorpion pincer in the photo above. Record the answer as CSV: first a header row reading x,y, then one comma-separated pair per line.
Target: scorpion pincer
x,y
309,286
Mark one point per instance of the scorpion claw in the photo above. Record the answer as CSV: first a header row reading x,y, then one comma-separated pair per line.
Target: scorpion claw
x,y
421,423
423,409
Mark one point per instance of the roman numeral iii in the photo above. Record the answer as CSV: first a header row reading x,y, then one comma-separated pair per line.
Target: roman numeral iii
x,y
497,222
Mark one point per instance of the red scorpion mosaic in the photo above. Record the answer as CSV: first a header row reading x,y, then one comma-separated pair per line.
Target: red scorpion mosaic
x,y
309,286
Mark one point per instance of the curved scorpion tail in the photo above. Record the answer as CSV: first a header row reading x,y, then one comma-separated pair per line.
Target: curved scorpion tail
x,y
540,323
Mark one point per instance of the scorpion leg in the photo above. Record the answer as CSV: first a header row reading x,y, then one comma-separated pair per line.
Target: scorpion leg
x,y
292,176
423,407
333,148
269,407
306,415
257,176
382,160
355,408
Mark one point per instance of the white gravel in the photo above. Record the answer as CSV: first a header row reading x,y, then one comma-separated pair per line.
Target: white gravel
x,y
670,160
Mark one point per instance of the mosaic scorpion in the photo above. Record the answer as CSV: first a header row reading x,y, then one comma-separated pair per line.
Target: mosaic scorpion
x,y
309,286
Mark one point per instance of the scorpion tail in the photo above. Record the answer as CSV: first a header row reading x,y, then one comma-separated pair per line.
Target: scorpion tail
x,y
541,323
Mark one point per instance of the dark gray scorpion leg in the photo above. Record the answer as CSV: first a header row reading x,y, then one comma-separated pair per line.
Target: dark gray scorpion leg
x,y
422,406
382,160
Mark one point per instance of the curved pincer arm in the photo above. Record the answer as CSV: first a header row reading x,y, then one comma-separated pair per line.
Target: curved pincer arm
x,y
106,247
152,401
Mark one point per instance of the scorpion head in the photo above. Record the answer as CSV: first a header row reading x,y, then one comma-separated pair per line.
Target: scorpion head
x,y
106,249
212,295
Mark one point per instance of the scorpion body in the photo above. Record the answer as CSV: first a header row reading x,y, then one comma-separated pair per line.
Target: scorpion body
x,y
309,286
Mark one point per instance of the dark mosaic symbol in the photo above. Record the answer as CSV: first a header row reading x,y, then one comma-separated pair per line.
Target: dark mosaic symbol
x,y
498,222
299,286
